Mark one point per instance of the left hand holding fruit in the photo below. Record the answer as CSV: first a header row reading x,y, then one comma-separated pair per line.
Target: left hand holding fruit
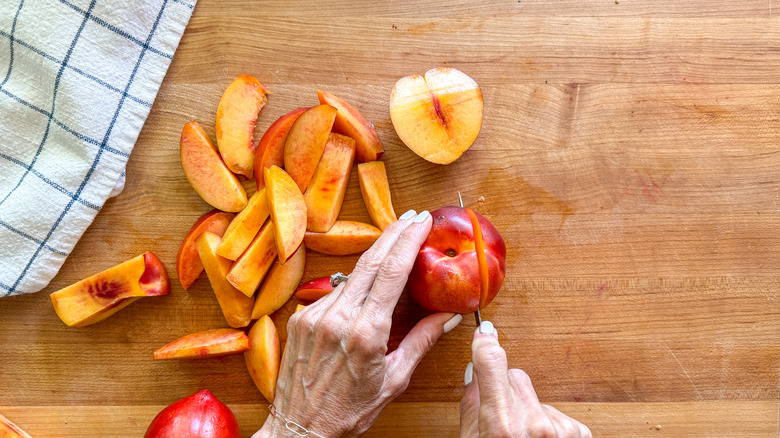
x,y
336,375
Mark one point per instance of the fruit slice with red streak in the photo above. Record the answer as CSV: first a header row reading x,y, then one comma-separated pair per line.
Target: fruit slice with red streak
x,y
9,430
207,173
314,290
262,359
376,193
351,123
479,247
188,265
344,238
205,344
236,306
248,271
270,150
305,143
236,117
288,211
327,188
101,295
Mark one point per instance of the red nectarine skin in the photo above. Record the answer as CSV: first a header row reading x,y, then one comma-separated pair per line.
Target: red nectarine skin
x,y
445,276
154,280
188,265
270,149
314,290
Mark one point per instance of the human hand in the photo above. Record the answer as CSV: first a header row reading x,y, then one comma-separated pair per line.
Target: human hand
x,y
336,376
502,403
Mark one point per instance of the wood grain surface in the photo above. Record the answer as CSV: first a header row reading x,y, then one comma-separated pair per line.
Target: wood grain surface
x,y
629,155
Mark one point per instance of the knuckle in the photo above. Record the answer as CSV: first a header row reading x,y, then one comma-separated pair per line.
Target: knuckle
x,y
365,341
542,428
301,322
392,269
585,431
328,328
368,262
489,355
520,377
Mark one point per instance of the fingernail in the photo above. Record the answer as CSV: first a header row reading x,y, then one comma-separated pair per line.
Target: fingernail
x,y
452,322
408,215
486,328
469,374
422,217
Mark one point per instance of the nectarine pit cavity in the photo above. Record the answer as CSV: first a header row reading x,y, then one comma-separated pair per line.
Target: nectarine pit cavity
x,y
437,108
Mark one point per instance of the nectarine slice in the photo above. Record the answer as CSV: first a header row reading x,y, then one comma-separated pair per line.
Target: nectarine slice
x,y
279,285
262,359
207,173
314,290
236,306
351,123
9,430
479,248
288,211
344,238
101,295
248,271
437,116
376,193
270,150
188,265
209,343
244,227
305,143
236,117
326,190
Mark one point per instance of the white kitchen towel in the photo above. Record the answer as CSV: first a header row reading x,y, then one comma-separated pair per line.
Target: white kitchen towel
x,y
77,81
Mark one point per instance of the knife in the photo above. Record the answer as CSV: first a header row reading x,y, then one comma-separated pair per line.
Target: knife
x,y
477,314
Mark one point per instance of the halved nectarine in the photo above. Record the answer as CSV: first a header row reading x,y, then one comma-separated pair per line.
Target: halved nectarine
x,y
188,265
205,344
326,190
305,143
351,123
236,117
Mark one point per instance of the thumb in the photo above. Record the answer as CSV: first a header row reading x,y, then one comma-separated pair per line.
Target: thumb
x,y
404,360
490,366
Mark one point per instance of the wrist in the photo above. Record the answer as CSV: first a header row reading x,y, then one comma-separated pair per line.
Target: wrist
x,y
279,425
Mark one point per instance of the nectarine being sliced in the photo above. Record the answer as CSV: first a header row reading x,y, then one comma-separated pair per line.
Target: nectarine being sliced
x,y
270,150
10,430
236,306
326,190
344,238
188,265
376,193
201,345
437,116
279,285
305,143
244,227
236,117
101,295
248,271
207,173
262,359
350,122
314,290
479,247
288,211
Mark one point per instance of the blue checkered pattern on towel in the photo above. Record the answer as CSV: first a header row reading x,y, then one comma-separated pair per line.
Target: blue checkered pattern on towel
x,y
77,81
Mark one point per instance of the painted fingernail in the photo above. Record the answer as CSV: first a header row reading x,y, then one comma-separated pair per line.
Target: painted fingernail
x,y
452,322
468,376
422,217
486,328
408,215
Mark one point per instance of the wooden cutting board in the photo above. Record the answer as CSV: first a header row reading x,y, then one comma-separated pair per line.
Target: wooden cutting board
x,y
630,156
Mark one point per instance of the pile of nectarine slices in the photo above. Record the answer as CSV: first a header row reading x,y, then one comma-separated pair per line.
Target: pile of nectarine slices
x,y
253,248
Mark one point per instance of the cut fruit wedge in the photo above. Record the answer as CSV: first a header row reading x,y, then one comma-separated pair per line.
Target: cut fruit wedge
x,y
248,271
288,211
344,238
314,290
244,227
280,284
327,188
209,343
9,430
236,117
376,193
305,143
350,122
479,244
262,359
270,150
188,265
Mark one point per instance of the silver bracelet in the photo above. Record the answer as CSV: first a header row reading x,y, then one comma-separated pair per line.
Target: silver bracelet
x,y
291,425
